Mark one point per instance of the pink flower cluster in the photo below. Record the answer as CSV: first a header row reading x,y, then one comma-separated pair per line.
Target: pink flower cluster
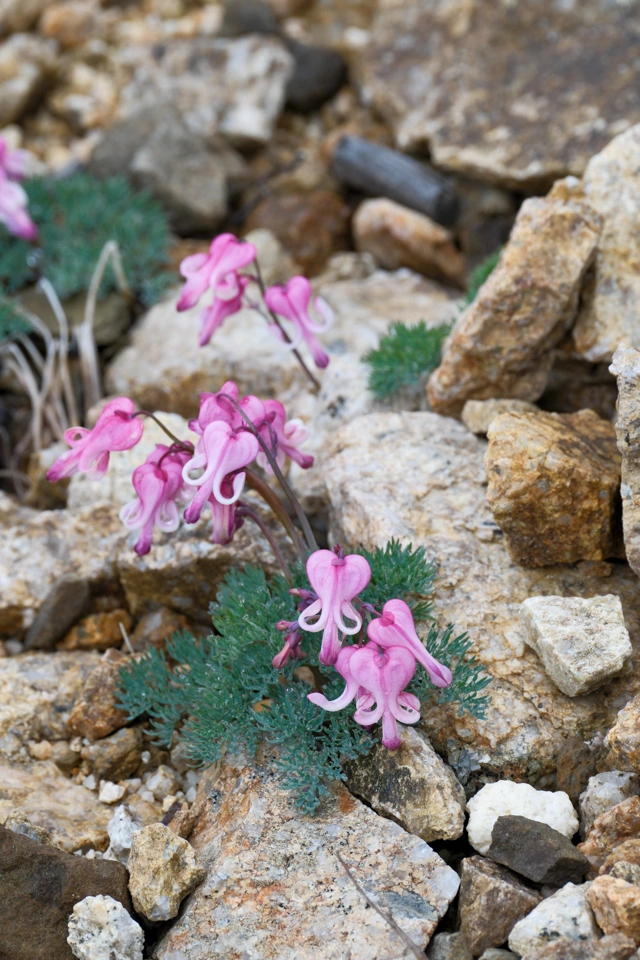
x,y
375,673
217,271
232,434
13,199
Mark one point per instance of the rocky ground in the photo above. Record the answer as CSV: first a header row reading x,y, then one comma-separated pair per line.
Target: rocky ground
x,y
514,835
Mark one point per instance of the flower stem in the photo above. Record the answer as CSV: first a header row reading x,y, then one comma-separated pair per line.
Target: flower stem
x,y
182,443
271,499
275,319
244,510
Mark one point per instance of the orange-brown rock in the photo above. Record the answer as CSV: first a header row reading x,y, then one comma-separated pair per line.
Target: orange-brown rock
x,y
398,237
553,483
610,829
624,737
95,714
501,345
98,631
156,627
628,852
616,905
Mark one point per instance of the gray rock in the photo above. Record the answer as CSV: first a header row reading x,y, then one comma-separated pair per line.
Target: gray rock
x,y
39,887
248,16
494,953
65,603
626,870
613,947
449,946
566,914
318,74
412,786
536,851
122,827
626,368
383,172
114,152
603,791
492,901
251,837
101,929
582,643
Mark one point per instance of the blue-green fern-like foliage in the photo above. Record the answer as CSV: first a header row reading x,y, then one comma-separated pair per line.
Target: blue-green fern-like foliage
x,y
76,216
222,692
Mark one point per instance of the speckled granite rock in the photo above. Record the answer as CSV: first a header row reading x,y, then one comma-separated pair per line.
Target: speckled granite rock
x,y
604,791
616,906
520,108
566,913
609,313
612,828
626,368
264,859
95,714
412,786
101,929
421,478
162,870
502,344
624,737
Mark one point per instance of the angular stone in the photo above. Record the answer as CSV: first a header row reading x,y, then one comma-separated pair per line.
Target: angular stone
x,y
536,851
539,467
98,631
625,854
162,870
420,478
19,822
609,313
63,605
115,757
566,914
39,886
582,643
603,791
399,237
163,782
624,737
249,74
101,929
122,827
626,367
625,870
37,694
449,946
507,799
492,900
501,345
478,115
478,415
575,763
256,844
616,947
17,15
412,786
610,829
27,63
616,905
318,74
95,714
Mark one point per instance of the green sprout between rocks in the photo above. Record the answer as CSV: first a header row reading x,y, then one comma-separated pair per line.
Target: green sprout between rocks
x,y
223,693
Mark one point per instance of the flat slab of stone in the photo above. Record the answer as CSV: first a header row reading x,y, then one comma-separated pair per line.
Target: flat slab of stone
x,y
626,369
582,643
492,901
519,107
275,886
536,851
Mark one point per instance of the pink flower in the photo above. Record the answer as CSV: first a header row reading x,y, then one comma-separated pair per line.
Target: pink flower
x,y
13,163
223,453
13,210
216,406
291,647
396,628
337,581
216,270
158,483
214,316
376,679
224,516
288,434
116,429
292,303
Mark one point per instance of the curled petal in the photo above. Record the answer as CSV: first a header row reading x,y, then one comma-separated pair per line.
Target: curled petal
x,y
396,628
116,429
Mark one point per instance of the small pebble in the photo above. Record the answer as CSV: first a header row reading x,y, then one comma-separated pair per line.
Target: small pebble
x,y
110,792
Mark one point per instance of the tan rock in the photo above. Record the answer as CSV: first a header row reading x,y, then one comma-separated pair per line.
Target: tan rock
x,y
540,467
626,367
478,415
616,947
412,786
609,312
37,694
163,869
71,23
501,345
17,15
95,714
610,829
399,237
27,63
156,627
616,905
264,858
624,737
98,631
627,852
478,115
420,478
115,757
492,901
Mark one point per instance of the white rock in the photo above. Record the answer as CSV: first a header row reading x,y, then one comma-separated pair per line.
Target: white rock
x,y
101,929
110,792
565,914
604,791
582,643
506,798
89,783
121,828
162,782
